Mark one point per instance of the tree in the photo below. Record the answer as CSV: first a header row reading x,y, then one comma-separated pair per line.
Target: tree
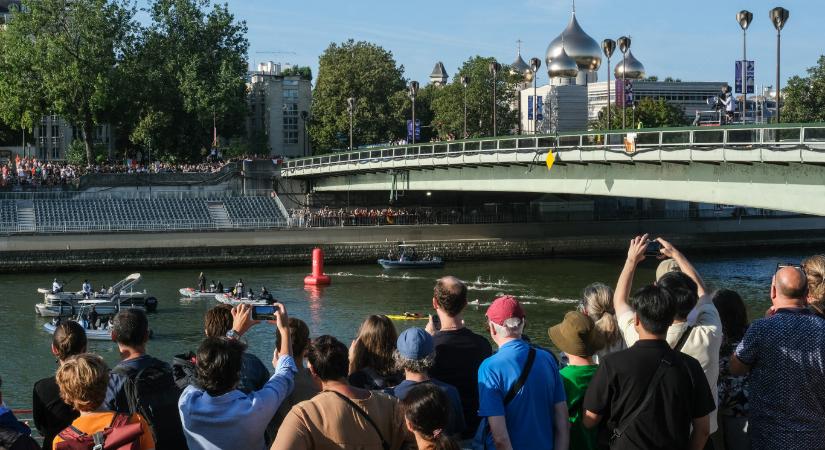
x,y
448,103
191,69
803,99
64,58
369,74
298,71
649,113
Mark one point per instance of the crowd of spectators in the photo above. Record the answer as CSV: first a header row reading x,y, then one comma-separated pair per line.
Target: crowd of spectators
x,y
670,365
332,217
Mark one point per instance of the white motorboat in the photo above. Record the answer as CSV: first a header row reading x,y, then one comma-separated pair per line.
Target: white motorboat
x,y
94,335
110,301
101,333
194,294
228,299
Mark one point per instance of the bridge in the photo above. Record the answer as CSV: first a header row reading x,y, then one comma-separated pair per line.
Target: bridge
x,y
777,167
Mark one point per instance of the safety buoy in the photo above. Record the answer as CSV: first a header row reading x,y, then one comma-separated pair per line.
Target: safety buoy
x,y
317,277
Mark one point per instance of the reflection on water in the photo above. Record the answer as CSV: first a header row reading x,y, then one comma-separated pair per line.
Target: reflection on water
x,y
548,289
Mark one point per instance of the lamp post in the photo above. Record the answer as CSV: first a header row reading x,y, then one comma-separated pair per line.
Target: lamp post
x,y
494,68
304,117
413,92
744,18
535,64
779,16
465,81
351,111
624,46
608,47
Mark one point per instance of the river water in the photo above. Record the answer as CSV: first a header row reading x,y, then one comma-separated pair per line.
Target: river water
x,y
547,288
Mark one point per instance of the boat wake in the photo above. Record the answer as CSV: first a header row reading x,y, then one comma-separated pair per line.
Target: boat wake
x,y
382,276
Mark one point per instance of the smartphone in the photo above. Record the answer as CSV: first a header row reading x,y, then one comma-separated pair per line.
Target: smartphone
x,y
265,312
436,322
653,248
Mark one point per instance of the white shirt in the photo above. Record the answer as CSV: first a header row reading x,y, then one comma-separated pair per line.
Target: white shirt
x,y
730,103
87,288
703,342
56,286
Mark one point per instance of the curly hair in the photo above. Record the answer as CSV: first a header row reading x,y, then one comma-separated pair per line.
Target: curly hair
x,y
217,321
422,366
218,367
82,380
814,267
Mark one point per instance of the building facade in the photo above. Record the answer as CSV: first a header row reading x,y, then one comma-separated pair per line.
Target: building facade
x,y
53,135
279,109
690,96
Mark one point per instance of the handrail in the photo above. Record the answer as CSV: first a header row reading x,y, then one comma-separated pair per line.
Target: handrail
x,y
734,136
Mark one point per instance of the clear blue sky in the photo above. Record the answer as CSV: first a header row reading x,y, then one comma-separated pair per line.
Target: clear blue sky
x,y
696,40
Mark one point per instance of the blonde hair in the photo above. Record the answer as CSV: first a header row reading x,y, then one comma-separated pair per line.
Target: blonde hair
x,y
814,267
597,303
374,346
82,380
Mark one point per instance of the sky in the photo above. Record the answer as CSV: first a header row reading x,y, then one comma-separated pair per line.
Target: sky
x,y
694,40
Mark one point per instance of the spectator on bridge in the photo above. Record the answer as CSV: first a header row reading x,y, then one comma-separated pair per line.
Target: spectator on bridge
x,y
371,364
520,391
814,267
458,351
696,329
215,414
782,355
597,303
82,381
427,416
341,416
414,356
50,413
733,389
650,396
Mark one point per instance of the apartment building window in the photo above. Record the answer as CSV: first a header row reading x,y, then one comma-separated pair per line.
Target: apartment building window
x,y
55,152
290,115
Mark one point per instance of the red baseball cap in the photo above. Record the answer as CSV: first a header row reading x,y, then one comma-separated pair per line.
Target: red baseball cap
x,y
504,308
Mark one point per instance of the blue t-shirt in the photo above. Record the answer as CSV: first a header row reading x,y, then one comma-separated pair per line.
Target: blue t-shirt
x,y
786,353
529,415
456,425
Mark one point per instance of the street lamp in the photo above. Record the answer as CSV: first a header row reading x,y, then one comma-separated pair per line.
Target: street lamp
x,y
779,16
413,92
744,18
304,117
624,46
608,47
494,68
351,111
465,81
535,64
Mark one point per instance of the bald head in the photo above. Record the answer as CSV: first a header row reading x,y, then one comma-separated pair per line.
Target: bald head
x,y
791,284
451,295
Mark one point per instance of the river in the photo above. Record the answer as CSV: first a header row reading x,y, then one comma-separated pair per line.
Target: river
x,y
547,288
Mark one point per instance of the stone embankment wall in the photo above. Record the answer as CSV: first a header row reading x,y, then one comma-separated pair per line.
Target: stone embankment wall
x,y
367,244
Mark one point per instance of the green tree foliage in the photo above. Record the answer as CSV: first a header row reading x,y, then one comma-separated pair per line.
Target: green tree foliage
x,y
649,113
369,74
448,101
300,71
189,68
804,97
65,58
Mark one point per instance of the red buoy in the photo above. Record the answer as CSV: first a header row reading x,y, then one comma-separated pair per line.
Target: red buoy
x,y
318,277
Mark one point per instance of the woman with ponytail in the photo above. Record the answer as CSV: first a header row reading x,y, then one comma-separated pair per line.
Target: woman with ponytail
x,y
597,303
426,412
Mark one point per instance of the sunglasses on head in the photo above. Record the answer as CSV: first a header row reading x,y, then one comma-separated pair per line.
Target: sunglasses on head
x,y
781,266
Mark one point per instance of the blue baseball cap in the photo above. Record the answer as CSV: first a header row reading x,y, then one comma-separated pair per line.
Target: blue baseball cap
x,y
415,343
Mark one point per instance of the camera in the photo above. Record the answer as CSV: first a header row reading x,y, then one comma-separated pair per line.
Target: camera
x,y
264,312
653,248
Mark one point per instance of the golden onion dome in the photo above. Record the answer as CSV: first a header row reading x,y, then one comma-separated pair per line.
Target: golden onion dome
x,y
635,69
578,45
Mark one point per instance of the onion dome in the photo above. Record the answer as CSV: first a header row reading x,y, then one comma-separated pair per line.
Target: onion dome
x,y
578,45
562,66
635,69
519,67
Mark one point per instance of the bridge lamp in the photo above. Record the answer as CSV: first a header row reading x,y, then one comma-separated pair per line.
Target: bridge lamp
x,y
494,69
744,18
351,111
465,81
608,47
779,17
413,87
624,47
535,64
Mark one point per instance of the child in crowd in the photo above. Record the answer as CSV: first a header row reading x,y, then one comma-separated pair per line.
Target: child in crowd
x,y
427,414
82,380
579,338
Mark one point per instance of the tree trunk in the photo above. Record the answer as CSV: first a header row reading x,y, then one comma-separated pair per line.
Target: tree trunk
x,y
87,141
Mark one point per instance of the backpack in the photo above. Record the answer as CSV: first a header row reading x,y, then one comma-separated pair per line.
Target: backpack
x,y
153,394
119,435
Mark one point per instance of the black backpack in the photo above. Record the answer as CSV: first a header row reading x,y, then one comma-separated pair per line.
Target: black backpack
x,y
153,394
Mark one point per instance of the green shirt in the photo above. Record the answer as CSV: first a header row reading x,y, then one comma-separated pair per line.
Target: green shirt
x,y
576,379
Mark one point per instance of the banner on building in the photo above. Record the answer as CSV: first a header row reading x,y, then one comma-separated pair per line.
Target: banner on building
x,y
624,93
750,77
539,105
417,130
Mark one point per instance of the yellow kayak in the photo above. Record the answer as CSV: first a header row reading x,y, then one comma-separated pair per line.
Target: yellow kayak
x,y
407,316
